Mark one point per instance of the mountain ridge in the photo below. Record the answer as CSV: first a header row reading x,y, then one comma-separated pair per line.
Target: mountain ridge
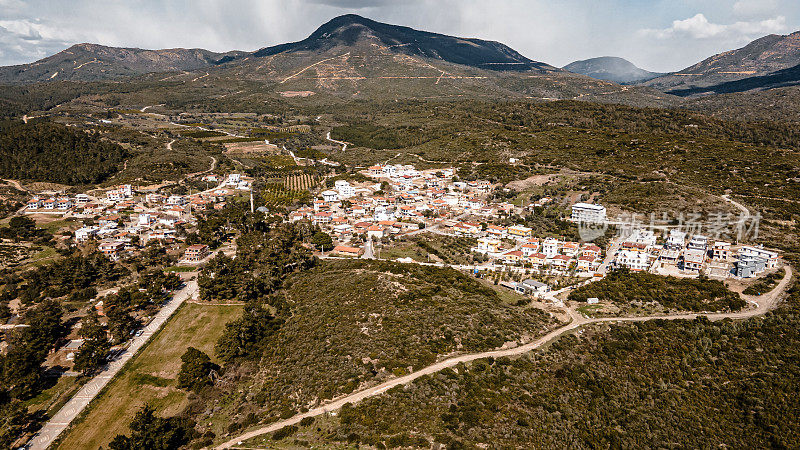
x,y
611,68
92,62
760,57
348,29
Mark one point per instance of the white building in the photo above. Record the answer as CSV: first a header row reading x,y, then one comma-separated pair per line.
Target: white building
x,y
698,242
758,252
84,233
588,212
345,189
330,196
81,199
176,200
488,245
675,240
633,260
550,247
639,236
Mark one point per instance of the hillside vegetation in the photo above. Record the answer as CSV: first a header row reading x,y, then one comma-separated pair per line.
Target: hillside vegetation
x,y
348,324
624,287
633,385
44,151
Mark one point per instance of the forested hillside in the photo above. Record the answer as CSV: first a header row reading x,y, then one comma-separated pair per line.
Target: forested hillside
x,y
46,151
638,385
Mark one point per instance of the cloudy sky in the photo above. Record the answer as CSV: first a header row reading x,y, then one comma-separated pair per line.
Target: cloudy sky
x,y
660,35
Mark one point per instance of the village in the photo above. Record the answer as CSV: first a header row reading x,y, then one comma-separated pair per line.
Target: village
x,y
394,202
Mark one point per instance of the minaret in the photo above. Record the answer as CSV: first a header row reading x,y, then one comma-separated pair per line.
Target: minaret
x,y
251,200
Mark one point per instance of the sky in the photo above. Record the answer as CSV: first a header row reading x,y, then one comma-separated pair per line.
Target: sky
x,y
658,35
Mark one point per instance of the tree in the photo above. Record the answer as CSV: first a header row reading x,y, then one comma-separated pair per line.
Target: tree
x,y
151,432
28,347
196,371
322,240
95,348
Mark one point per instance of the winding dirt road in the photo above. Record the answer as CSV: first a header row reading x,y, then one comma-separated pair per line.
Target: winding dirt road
x,y
765,303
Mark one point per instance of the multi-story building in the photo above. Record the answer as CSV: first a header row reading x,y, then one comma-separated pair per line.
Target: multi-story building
x,y
693,259
588,212
196,252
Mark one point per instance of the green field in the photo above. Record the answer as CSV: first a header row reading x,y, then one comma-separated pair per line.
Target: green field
x,y
151,376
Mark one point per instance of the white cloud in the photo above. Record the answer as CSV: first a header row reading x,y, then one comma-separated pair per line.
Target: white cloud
x,y
699,27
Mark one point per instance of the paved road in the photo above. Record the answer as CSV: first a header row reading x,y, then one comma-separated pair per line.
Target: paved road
x,y
764,303
61,420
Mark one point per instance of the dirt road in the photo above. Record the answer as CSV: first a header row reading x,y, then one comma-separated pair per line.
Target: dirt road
x,y
765,303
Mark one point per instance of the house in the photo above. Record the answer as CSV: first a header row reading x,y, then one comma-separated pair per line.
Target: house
x,y
538,259
177,200
34,203
560,262
646,237
693,259
322,218
162,234
519,232
154,198
108,220
466,229
85,233
529,249
81,199
759,252
634,246
330,196
347,251
196,252
675,240
570,248
587,263
375,231
669,256
636,261
749,266
591,250
550,247
111,249
512,257
64,203
532,287
488,245
587,212
721,250
698,242
344,188
496,231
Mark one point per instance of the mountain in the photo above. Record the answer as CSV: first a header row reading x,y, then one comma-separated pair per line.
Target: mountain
x,y
761,57
352,57
778,79
348,58
611,68
350,29
90,62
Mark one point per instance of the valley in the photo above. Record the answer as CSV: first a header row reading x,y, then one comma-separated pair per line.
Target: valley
x,y
381,237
